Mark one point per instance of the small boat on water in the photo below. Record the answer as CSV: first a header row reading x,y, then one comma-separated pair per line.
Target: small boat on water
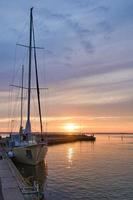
x,y
24,145
89,137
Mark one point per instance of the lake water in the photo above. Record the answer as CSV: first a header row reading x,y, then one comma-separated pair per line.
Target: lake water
x,y
88,171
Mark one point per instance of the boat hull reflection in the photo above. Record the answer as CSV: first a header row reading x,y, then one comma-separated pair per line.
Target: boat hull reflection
x,y
33,174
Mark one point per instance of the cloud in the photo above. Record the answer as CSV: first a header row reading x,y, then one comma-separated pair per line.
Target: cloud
x,y
82,4
105,27
100,8
108,88
81,32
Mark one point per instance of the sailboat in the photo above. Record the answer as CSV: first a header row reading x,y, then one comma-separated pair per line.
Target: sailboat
x,y
24,145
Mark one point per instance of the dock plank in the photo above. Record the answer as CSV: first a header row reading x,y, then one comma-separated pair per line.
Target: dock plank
x,y
9,186
12,194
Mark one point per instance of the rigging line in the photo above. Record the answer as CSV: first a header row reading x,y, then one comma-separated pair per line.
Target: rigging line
x,y
35,113
46,100
10,105
16,104
11,99
23,60
44,82
37,83
13,80
14,64
13,77
9,111
24,106
26,46
15,71
46,110
13,96
23,29
21,121
18,86
13,104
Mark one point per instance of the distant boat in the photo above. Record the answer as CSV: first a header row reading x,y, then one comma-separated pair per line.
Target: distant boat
x,y
26,149
90,137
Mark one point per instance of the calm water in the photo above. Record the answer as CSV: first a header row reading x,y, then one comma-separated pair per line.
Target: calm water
x,y
88,171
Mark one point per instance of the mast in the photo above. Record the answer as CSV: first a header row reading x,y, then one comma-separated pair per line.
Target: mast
x,y
22,87
37,82
28,124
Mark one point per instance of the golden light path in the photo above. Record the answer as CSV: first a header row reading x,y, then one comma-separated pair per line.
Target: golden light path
x,y
70,153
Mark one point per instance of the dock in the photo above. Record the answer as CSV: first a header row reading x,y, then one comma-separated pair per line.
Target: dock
x,y
61,139
53,139
12,184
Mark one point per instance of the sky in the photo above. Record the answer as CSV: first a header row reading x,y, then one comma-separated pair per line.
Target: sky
x,y
86,64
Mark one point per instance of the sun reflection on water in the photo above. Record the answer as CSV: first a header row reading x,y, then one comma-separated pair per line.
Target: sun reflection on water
x,y
70,153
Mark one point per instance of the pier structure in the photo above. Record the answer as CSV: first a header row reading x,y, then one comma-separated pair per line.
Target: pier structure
x,y
61,139
10,186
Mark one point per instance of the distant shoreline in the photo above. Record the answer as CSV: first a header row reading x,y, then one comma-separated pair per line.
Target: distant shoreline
x,y
74,133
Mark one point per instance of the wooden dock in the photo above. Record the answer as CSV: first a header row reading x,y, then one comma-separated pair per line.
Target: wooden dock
x,y
10,186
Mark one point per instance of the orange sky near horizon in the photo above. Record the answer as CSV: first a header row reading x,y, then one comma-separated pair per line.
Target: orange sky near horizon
x,y
104,125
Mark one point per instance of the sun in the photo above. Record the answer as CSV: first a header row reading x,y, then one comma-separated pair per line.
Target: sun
x,y
70,127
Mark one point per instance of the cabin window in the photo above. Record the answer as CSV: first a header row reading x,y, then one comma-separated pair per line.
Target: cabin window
x,y
29,154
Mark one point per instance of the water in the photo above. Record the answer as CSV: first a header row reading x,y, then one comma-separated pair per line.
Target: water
x,y
89,171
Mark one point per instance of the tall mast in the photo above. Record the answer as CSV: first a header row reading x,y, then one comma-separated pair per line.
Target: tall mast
x,y
37,82
22,87
28,124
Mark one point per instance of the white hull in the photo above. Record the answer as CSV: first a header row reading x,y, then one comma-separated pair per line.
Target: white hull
x,y
30,154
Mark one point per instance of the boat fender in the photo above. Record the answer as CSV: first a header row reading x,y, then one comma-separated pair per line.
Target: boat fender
x,y
11,154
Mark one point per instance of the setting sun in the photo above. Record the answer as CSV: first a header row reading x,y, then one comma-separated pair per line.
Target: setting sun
x,y
71,127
